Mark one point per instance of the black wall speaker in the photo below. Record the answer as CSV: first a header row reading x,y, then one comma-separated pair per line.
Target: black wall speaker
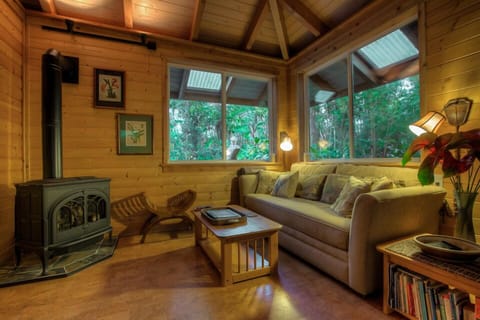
x,y
70,69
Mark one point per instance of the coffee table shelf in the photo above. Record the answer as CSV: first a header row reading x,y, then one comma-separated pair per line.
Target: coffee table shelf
x,y
239,251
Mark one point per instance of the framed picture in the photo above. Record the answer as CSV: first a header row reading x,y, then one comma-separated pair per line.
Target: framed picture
x,y
134,133
109,89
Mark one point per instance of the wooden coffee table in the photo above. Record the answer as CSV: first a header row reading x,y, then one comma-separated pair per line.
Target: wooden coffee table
x,y
239,251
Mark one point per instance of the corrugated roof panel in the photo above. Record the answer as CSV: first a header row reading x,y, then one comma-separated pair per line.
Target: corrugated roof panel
x,y
204,80
390,49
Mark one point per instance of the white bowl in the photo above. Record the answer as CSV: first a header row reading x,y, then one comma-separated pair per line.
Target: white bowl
x,y
448,248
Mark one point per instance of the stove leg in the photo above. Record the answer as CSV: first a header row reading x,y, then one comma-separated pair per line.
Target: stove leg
x,y
18,256
45,256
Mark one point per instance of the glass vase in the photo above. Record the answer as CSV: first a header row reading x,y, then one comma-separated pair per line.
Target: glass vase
x,y
464,224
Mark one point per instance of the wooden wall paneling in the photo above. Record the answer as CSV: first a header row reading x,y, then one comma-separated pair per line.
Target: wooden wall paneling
x,y
452,68
11,79
89,134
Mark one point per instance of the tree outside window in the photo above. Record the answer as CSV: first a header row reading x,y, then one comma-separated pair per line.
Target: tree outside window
x,y
385,100
196,113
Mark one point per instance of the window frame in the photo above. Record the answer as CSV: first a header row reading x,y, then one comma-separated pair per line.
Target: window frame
x,y
347,54
226,73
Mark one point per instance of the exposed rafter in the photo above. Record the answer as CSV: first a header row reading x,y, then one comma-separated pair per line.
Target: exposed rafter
x,y
322,84
280,28
48,6
197,16
365,69
402,70
256,24
183,85
306,17
128,13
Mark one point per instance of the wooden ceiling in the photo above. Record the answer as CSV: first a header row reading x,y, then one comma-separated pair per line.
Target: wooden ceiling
x,y
273,28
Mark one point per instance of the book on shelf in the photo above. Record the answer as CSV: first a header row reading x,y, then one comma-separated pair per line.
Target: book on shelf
x,y
425,299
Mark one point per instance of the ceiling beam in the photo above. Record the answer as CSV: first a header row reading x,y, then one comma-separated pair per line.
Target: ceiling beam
x,y
280,29
306,17
322,84
255,25
197,16
128,13
48,6
402,70
365,69
183,84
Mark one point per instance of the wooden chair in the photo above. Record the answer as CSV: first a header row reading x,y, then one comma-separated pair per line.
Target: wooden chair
x,y
172,217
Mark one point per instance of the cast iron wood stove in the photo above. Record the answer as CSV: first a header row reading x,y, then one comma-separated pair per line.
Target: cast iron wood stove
x,y
58,213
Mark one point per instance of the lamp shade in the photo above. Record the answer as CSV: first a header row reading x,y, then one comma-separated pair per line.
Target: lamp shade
x,y
457,111
428,123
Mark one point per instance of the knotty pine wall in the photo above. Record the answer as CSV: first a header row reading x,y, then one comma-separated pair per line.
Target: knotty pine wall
x,y
11,75
89,134
452,65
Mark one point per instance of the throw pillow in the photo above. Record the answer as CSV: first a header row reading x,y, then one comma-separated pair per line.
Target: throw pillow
x,y
382,183
343,206
333,186
310,187
266,180
286,185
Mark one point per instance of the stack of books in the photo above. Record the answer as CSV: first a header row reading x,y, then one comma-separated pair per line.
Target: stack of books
x,y
422,298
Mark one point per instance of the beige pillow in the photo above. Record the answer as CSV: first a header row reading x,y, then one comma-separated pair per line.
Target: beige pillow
x,y
286,185
266,180
343,206
382,183
310,187
333,186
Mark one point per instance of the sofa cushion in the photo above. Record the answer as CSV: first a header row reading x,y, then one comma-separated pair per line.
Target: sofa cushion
x,y
382,183
286,185
333,186
404,177
266,181
343,205
310,187
312,218
312,168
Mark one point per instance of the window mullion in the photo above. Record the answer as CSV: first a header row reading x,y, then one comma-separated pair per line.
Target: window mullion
x,y
350,105
224,116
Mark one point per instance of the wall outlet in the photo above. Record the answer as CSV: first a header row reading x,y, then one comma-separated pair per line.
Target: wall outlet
x,y
438,180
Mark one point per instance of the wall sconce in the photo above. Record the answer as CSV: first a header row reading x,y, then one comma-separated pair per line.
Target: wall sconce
x,y
456,111
286,142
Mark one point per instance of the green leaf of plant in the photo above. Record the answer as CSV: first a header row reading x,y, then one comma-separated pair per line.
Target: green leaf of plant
x,y
419,143
425,172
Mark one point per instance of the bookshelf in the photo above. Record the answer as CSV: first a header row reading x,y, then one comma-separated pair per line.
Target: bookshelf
x,y
405,268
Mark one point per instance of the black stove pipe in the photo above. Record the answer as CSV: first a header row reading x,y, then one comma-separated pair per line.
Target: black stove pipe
x,y
52,114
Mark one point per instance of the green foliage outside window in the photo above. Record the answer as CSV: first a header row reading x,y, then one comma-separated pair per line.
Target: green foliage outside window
x,y
381,118
247,128
195,130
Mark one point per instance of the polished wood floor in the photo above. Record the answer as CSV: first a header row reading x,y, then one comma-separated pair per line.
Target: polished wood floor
x,y
174,280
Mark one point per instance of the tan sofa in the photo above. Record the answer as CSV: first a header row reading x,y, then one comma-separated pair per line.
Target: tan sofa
x,y
344,246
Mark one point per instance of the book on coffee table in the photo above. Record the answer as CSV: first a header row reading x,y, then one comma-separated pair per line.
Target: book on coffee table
x,y
223,215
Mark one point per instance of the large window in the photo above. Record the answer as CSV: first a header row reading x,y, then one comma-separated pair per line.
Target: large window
x,y
218,116
361,106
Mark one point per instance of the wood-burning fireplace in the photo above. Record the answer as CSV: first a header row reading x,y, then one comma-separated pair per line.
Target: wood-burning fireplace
x,y
58,213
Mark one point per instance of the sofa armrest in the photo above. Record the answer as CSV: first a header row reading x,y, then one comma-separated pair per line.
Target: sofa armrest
x,y
386,215
247,183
